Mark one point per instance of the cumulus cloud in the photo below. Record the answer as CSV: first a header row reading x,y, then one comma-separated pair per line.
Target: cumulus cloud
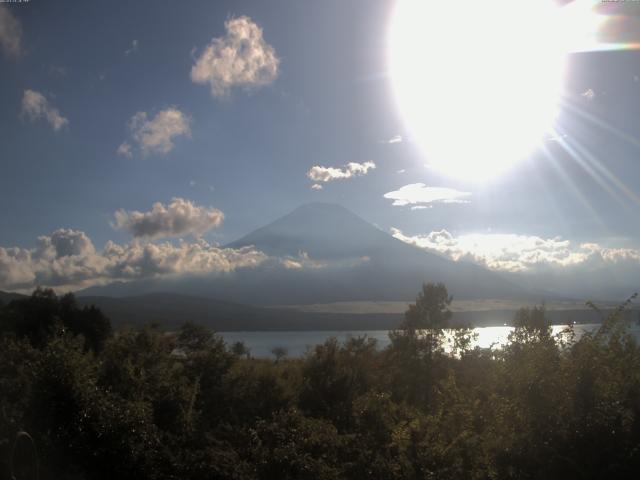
x,y
241,58
137,260
156,135
318,173
395,139
519,253
178,218
422,195
10,33
68,259
35,106
316,186
304,261
301,261
65,257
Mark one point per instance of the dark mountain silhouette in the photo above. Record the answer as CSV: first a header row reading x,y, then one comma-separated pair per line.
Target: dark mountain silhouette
x,y
6,297
342,257
374,264
326,231
171,310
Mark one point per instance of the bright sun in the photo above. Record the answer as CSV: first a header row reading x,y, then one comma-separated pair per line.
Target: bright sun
x,y
478,82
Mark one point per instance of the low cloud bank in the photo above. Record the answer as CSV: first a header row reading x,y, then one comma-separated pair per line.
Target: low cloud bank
x,y
520,253
67,259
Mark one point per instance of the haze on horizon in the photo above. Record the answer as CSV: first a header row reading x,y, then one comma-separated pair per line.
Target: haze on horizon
x,y
140,141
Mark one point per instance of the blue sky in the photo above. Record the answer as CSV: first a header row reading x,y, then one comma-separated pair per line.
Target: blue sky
x,y
328,101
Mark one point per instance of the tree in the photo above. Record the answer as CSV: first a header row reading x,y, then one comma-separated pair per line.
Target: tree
x,y
531,324
239,349
34,317
38,317
415,345
88,321
279,352
192,337
431,310
425,320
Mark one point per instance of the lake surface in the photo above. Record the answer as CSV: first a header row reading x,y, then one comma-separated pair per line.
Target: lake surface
x,y
298,342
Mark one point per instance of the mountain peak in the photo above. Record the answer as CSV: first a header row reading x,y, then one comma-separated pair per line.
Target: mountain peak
x,y
323,230
350,260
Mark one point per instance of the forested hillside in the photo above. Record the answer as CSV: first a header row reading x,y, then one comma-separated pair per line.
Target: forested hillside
x,y
78,400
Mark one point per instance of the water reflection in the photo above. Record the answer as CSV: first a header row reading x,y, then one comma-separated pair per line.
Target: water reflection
x,y
297,343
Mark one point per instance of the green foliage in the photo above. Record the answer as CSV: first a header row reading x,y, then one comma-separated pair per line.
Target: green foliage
x,y
291,446
531,324
239,349
431,310
279,352
333,375
37,318
152,404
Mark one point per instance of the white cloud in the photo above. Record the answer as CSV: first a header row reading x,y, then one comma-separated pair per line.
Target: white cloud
x,y
395,139
65,257
304,261
179,218
519,253
67,260
301,261
156,135
133,48
137,260
124,150
316,186
10,33
589,94
241,58
318,173
420,194
36,106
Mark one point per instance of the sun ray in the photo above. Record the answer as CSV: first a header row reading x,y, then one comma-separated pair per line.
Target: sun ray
x,y
602,174
568,180
475,103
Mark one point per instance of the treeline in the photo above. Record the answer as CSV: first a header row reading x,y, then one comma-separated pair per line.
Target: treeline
x,y
80,401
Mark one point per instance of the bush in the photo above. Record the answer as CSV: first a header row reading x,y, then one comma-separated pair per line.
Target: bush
x,y
148,404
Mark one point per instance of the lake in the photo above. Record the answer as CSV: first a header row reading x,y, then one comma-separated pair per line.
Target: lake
x,y
298,342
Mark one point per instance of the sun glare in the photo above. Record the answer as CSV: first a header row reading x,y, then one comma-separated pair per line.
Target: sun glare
x,y
478,83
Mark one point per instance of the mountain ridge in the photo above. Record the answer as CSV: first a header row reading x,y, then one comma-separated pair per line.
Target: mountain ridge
x,y
323,252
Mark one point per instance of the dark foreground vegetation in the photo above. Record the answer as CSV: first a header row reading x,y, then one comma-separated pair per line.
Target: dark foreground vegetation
x,y
78,401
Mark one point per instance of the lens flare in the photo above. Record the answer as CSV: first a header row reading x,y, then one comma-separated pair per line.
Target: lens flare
x,y
479,83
